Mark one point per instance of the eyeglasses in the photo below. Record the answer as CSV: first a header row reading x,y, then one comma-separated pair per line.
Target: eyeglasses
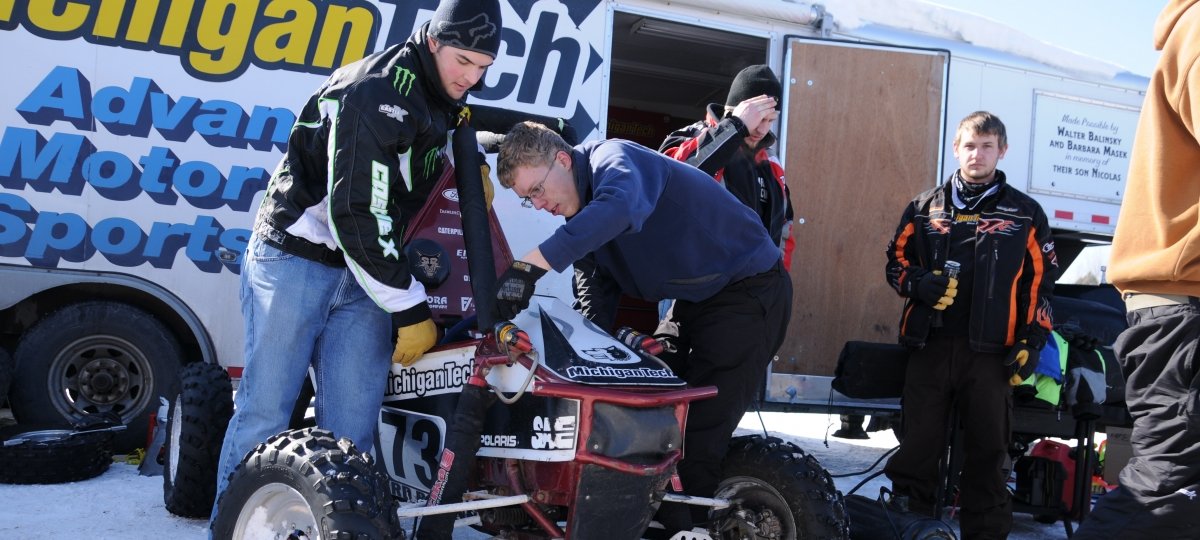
x,y
538,190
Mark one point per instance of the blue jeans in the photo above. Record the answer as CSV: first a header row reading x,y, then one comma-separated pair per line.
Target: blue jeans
x,y
299,313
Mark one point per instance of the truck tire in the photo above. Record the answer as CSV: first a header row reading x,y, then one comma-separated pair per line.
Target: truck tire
x,y
95,357
52,455
196,426
6,375
307,484
782,492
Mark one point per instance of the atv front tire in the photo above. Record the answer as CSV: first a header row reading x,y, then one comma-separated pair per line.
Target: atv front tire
x,y
195,430
779,492
307,484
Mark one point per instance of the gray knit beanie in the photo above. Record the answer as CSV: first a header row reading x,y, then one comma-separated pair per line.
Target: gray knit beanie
x,y
472,25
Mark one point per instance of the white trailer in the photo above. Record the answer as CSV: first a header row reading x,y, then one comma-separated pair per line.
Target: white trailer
x,y
139,135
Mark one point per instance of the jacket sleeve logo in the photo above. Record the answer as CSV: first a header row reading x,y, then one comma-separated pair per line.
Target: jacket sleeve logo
x,y
403,80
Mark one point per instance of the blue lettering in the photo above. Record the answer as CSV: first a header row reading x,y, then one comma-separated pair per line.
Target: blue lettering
x,y
121,110
219,126
58,236
60,96
65,94
173,119
35,155
108,172
154,164
27,158
14,233
116,237
197,193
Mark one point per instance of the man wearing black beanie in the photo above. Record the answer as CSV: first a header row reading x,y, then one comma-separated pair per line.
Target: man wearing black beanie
x,y
732,145
325,280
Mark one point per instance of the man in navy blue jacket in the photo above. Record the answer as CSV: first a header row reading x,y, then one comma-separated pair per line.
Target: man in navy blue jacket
x,y
646,225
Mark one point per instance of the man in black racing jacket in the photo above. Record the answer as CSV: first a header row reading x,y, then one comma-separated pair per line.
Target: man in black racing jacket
x,y
975,260
325,276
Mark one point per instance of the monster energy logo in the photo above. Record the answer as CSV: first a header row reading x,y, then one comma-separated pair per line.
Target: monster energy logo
x,y
403,81
431,161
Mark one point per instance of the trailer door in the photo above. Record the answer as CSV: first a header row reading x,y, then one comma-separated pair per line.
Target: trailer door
x,y
862,136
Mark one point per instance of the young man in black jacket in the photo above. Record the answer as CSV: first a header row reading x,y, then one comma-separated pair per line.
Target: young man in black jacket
x,y
325,277
975,259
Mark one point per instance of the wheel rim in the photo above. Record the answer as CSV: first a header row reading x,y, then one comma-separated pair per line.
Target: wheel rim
x,y
44,435
276,511
100,373
176,430
759,505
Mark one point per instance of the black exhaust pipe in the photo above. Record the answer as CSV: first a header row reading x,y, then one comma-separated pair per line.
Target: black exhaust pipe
x,y
462,441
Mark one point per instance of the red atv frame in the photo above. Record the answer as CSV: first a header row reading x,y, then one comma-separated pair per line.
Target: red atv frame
x,y
541,427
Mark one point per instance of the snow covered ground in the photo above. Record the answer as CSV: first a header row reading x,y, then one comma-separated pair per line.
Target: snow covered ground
x,y
120,504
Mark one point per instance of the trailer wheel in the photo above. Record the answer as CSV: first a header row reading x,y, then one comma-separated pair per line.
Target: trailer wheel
x,y
195,430
51,455
6,374
307,484
95,357
779,492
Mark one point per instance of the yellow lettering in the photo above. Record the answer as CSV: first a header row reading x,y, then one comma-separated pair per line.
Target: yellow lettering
x,y
108,18
286,41
179,17
141,23
6,9
355,24
230,47
41,14
215,39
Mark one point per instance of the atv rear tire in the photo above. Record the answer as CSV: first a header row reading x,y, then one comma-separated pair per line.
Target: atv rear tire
x,y
307,484
95,357
781,492
195,430
52,455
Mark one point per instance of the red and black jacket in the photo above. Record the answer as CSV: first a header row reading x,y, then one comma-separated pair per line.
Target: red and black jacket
x,y
1014,267
756,178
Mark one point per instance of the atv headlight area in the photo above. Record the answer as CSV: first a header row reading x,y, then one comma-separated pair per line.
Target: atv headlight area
x,y
634,435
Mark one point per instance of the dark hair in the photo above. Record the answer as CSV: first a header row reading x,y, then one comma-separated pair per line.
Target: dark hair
x,y
983,122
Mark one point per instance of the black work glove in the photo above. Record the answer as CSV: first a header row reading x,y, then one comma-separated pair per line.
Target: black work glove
x,y
1022,360
515,288
933,289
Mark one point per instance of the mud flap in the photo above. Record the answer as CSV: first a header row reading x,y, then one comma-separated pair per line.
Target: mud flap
x,y
610,504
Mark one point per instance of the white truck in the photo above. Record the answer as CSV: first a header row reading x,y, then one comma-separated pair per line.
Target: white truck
x,y
139,135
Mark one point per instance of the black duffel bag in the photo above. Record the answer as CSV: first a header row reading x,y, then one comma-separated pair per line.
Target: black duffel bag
x,y
871,370
873,519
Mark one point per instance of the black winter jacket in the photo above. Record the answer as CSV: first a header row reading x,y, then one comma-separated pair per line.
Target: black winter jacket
x,y
366,151
715,146
1015,267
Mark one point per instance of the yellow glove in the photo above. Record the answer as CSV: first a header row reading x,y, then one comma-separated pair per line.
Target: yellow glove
x,y
412,341
945,298
1018,362
485,172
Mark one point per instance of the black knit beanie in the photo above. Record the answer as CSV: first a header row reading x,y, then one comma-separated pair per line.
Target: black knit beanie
x,y
472,25
752,82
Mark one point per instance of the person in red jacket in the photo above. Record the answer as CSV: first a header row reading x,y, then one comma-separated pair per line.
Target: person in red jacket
x,y
733,143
